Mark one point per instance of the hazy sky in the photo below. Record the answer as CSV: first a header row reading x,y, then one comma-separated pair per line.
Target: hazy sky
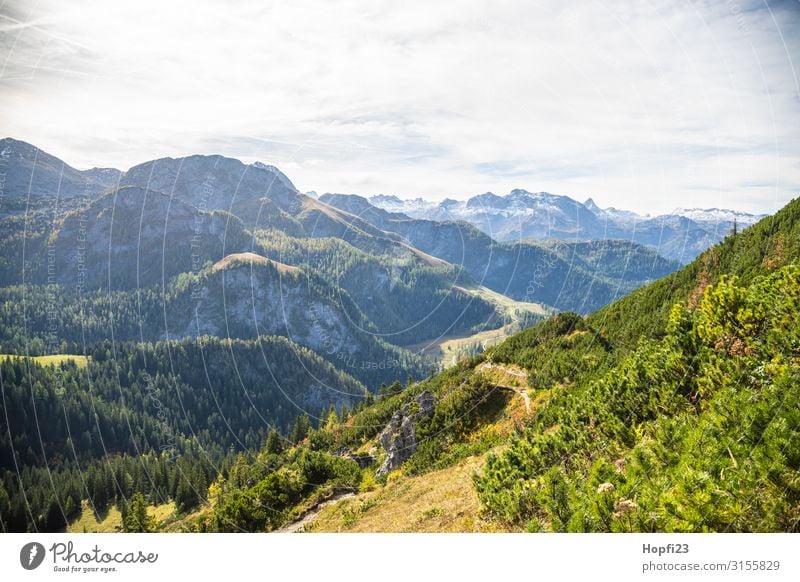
x,y
649,105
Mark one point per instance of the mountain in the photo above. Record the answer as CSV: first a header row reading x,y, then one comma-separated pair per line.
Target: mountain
x,y
139,247
519,215
409,297
572,426
171,217
36,180
123,239
555,274
243,296
411,279
247,296
260,195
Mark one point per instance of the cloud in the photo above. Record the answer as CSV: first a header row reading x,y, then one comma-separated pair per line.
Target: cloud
x,y
640,105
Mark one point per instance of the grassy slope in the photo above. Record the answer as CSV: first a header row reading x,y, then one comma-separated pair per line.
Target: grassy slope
x,y
111,521
53,359
547,473
421,503
440,501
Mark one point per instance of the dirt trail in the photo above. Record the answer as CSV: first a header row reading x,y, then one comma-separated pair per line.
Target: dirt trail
x,y
511,371
299,523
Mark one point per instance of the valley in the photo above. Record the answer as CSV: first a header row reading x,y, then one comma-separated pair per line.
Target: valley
x,y
446,350
195,345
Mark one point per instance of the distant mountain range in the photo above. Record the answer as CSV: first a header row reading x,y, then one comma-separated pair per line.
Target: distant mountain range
x,y
519,215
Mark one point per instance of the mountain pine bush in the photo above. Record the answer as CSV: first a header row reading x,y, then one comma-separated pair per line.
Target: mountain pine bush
x,y
696,431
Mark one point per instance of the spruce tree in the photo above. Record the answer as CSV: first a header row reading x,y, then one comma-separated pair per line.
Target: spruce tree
x,y
274,446
134,516
301,428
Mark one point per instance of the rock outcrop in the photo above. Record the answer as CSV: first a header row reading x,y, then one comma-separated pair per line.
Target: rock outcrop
x,y
399,437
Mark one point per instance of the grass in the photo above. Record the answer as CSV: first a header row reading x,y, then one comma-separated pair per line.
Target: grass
x,y
51,360
446,349
439,501
111,521
248,258
510,305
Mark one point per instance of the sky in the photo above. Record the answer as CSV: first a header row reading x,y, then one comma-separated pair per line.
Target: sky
x,y
646,105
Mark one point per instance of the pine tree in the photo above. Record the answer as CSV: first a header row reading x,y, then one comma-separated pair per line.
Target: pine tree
x,y
274,446
301,428
331,419
185,497
134,516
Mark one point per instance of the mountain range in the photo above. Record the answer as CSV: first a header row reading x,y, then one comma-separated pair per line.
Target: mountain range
x,y
391,279
198,335
519,215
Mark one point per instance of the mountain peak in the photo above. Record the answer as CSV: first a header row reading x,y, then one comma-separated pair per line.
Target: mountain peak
x,y
717,215
274,170
487,199
592,206
385,199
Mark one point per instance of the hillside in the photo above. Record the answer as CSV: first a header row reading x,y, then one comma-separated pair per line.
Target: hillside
x,y
691,428
127,238
773,242
243,300
162,417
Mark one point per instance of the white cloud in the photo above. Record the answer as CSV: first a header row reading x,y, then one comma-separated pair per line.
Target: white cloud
x,y
643,105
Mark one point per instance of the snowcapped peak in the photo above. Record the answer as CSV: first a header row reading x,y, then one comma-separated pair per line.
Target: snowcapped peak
x,y
392,203
717,215
488,201
519,192
385,199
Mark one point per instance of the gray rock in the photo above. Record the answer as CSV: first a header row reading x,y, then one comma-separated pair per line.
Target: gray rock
x,y
399,438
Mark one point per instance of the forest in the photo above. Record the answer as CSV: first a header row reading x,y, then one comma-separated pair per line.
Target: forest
x,y
150,418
